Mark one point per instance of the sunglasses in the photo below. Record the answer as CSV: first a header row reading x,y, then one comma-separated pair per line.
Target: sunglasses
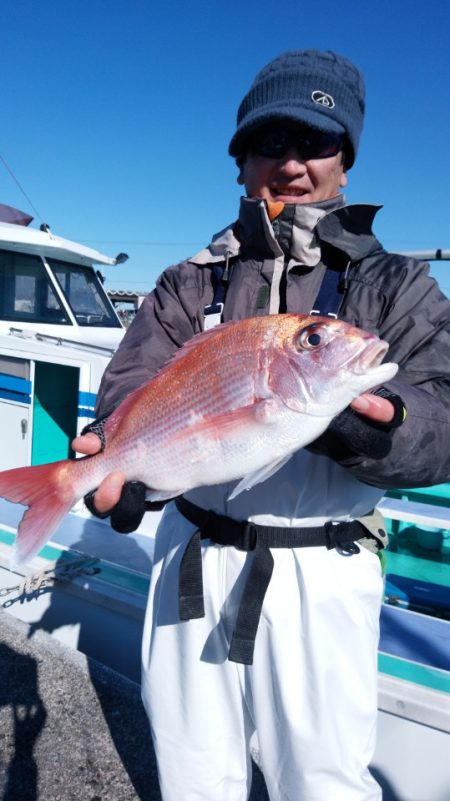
x,y
274,143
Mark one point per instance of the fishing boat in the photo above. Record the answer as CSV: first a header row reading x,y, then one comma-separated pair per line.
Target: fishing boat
x,y
58,331
88,585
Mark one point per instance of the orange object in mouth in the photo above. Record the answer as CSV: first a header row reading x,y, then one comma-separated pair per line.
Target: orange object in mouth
x,y
274,208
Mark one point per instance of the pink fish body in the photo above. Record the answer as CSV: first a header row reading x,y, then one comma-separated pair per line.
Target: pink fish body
x,y
235,402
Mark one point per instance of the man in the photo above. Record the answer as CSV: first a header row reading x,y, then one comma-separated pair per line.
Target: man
x,y
288,670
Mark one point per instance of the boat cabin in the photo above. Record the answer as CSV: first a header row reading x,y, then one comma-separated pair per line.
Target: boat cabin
x,y
54,286
58,331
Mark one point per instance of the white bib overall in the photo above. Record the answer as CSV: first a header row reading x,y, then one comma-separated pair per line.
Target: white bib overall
x,y
308,704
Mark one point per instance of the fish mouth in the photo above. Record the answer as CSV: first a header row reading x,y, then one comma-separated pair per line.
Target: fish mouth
x,y
369,357
374,354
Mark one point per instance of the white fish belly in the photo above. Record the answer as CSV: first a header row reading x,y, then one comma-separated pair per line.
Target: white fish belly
x,y
201,459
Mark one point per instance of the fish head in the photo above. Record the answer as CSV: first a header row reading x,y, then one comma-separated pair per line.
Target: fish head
x,y
326,363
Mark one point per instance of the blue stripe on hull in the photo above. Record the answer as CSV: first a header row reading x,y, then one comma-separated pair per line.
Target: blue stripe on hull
x,y
82,412
19,397
86,404
415,637
14,388
87,398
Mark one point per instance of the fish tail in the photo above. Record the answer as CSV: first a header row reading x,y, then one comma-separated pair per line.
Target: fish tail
x,y
49,491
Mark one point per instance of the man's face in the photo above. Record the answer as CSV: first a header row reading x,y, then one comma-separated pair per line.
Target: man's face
x,y
292,172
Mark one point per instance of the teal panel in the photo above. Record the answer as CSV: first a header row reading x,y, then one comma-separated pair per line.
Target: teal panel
x,y
48,551
55,412
114,575
420,554
438,495
421,569
413,672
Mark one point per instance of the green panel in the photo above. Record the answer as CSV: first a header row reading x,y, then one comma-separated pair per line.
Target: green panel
x,y
438,495
419,552
47,552
415,673
420,569
54,412
111,574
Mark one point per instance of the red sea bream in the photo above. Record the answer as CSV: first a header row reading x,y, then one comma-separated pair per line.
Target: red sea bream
x,y
235,402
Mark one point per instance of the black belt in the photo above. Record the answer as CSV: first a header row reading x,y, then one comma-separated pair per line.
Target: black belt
x,y
249,537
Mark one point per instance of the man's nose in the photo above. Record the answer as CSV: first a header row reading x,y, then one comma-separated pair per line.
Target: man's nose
x,y
293,160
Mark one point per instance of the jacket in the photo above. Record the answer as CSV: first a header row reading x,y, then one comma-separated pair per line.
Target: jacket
x,y
385,293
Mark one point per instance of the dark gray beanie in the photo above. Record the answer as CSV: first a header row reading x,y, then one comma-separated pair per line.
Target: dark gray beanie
x,y
320,89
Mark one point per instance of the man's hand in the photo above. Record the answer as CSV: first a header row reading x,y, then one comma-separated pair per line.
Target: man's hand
x,y
363,429
109,491
380,410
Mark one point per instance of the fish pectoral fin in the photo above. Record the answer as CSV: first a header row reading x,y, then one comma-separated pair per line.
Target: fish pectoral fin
x,y
262,412
258,476
160,495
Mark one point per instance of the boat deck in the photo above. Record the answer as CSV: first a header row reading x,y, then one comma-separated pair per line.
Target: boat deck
x,y
92,579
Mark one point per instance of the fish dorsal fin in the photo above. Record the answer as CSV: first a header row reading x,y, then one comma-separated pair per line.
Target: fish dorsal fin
x,y
197,339
116,417
125,406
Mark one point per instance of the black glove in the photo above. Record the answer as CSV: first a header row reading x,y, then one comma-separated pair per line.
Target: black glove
x,y
97,427
127,514
351,434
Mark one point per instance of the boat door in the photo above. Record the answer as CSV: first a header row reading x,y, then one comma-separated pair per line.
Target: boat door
x,y
15,411
55,411
38,411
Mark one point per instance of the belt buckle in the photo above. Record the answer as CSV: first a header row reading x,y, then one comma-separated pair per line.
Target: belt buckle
x,y
332,541
347,548
248,539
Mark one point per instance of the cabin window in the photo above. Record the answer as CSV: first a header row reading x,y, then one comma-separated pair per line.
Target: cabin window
x,y
85,295
19,368
15,383
26,293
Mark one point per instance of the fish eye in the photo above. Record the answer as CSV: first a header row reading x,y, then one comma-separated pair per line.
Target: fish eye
x,y
314,336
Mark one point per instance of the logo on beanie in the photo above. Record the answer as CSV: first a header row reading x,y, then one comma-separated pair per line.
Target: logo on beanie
x,y
322,99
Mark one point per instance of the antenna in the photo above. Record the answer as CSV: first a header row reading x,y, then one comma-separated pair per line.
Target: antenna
x,y
440,254
20,187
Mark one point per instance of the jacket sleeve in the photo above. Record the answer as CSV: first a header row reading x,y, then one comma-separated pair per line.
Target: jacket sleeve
x,y
416,323
166,319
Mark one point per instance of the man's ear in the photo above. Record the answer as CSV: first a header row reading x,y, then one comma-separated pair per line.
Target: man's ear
x,y
343,178
240,164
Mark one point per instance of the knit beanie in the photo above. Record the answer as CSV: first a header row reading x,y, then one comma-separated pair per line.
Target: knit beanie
x,y
319,89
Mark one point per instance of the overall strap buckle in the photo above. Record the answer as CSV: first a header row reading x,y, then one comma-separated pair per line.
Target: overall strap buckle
x,y
248,539
341,536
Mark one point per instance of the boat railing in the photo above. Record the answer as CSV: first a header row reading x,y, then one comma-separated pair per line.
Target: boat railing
x,y
63,341
419,513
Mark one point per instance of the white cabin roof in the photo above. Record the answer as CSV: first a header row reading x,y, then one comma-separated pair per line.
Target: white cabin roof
x,y
32,240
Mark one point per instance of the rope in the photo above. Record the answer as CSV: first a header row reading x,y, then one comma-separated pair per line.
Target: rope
x,y
35,584
20,187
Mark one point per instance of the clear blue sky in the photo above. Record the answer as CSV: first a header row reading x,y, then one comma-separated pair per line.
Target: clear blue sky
x,y
116,116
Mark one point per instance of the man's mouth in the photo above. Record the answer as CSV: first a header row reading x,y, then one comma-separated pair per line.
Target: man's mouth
x,y
287,191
